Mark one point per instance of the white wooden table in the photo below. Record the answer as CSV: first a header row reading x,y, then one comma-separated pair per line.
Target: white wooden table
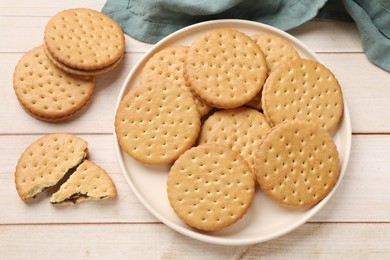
x,y
355,224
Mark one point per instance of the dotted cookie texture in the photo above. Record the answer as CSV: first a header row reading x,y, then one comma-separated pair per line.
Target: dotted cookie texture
x,y
303,90
167,65
210,187
155,123
297,163
84,39
46,92
225,68
88,182
276,51
239,129
46,161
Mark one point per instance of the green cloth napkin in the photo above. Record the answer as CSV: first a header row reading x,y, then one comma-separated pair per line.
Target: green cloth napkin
x,y
151,20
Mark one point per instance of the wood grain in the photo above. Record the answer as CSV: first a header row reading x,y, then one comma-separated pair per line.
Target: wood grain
x,y
156,241
355,224
357,188
25,32
366,89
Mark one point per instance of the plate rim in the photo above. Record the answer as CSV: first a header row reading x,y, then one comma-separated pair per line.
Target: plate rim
x,y
205,237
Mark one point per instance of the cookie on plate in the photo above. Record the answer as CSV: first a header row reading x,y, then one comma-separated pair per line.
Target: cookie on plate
x,y
303,90
88,182
210,187
47,92
276,51
297,163
46,161
225,68
156,122
239,129
167,65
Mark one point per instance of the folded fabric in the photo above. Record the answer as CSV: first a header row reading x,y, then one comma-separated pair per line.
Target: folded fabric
x,y
151,20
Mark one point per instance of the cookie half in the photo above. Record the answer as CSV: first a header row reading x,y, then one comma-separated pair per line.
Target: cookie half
x,y
84,39
88,182
167,65
239,129
46,161
303,90
47,92
225,68
210,187
156,122
297,163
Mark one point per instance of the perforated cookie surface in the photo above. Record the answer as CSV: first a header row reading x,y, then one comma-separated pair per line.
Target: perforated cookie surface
x,y
47,92
239,129
88,182
167,65
276,51
303,90
225,68
156,123
84,39
46,161
297,163
210,187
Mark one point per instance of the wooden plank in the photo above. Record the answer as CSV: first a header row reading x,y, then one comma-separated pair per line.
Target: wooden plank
x,y
101,150
363,194
366,88
329,36
23,33
156,241
44,8
97,118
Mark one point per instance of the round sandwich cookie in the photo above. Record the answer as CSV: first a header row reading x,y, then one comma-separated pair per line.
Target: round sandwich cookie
x,y
88,182
84,39
47,92
297,163
167,65
46,161
225,68
239,129
210,187
303,90
156,122
80,72
276,51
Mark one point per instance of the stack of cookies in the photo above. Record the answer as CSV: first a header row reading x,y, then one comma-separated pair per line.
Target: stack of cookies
x,y
56,80
255,109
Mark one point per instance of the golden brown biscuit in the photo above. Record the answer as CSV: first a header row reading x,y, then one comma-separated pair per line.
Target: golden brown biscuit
x,y
84,39
210,187
239,129
46,92
225,68
303,90
155,123
46,161
297,163
88,182
276,51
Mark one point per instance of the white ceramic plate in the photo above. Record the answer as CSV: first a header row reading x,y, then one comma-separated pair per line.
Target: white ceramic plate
x,y
265,219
